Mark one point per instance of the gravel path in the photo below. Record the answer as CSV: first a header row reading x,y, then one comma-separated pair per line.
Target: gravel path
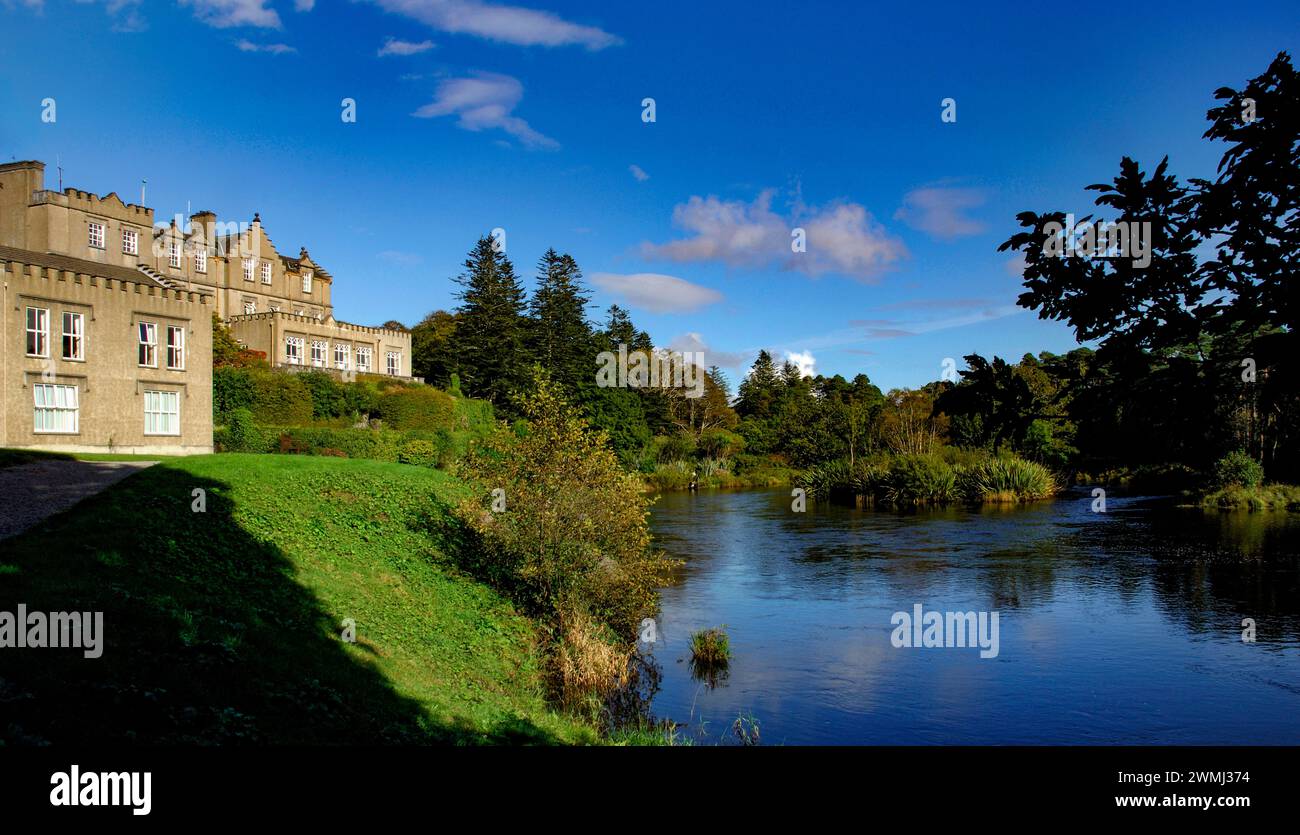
x,y
31,492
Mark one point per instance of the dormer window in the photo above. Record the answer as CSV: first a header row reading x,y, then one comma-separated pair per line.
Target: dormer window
x,y
248,269
306,281
266,272
200,260
174,255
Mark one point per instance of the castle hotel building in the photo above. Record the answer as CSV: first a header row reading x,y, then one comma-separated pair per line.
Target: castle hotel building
x,y
107,319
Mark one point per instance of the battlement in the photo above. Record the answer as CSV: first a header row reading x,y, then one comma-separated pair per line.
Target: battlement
x,y
29,277
312,321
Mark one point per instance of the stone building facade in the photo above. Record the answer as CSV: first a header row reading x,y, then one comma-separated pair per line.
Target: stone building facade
x,y
107,324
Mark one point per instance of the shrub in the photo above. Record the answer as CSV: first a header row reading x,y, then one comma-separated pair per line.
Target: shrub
x,y
719,443
416,407
575,535
242,434
327,399
677,447
232,388
419,453
280,398
1237,468
920,479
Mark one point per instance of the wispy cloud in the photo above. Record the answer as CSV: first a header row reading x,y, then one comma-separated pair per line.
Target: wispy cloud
x,y
841,237
125,13
401,259
639,173
485,101
657,293
246,45
940,211
226,14
693,342
393,46
304,5
507,24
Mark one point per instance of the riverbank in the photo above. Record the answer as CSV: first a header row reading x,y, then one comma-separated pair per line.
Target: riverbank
x,y
225,618
1263,497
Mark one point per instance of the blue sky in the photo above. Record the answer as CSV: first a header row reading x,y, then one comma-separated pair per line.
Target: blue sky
x,y
769,116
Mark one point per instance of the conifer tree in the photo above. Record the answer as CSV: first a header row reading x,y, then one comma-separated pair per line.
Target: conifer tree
x,y
559,336
490,325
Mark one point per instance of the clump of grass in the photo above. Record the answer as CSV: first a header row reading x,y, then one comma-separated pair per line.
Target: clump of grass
x,y
590,664
1006,480
710,648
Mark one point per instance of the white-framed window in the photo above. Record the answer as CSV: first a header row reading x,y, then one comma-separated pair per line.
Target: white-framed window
x,y
341,352
250,307
306,281
162,413
175,348
248,269
293,349
38,332
74,336
200,260
174,254
130,242
394,363
56,408
318,350
95,235
363,358
266,272
148,335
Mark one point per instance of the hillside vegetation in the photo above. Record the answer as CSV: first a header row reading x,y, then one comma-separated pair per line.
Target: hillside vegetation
x,y
224,626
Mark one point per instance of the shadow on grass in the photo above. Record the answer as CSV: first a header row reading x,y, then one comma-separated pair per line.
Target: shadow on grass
x,y
208,637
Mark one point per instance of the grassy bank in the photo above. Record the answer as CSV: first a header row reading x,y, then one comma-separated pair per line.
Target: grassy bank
x,y
1260,497
916,480
224,626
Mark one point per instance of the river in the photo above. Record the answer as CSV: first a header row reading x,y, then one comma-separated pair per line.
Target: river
x,y
1123,627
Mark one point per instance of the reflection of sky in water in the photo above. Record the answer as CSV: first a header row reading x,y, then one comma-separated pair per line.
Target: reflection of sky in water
x,y
1115,628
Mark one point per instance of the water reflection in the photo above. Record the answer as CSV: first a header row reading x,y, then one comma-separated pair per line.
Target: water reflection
x,y
1116,627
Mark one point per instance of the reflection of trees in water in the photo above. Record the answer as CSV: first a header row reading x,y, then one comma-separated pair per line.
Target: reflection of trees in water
x,y
1211,569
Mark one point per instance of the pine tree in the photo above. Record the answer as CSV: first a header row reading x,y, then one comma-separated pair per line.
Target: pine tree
x,y
559,336
490,325
759,389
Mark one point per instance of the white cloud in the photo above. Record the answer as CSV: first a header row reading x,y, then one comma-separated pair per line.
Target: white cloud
x,y
940,211
639,173
304,5
246,45
842,237
484,102
657,293
805,360
693,342
393,46
224,14
508,24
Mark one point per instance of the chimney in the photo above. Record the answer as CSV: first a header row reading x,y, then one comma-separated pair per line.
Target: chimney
x,y
206,222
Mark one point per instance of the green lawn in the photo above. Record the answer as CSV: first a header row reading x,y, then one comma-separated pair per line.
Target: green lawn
x,y
224,626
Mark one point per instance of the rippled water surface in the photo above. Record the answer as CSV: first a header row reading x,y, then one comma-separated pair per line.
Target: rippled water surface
x,y
1123,627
